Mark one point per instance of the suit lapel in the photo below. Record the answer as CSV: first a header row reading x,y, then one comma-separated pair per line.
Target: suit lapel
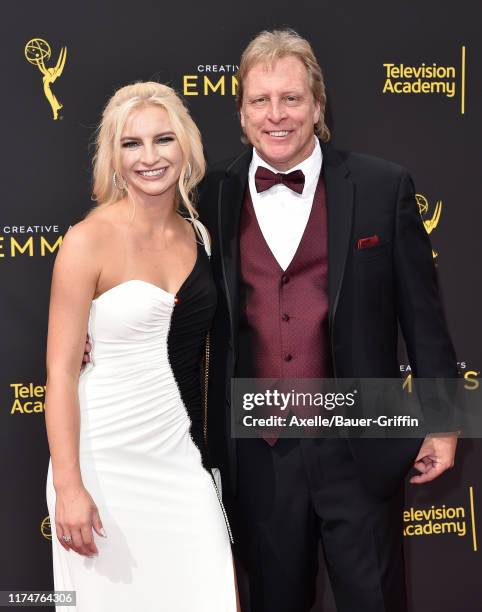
x,y
339,196
231,193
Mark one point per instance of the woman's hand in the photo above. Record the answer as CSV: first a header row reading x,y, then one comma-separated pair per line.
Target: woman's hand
x,y
76,515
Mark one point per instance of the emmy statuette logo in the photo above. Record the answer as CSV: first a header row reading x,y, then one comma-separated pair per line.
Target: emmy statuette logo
x,y
430,223
37,52
45,529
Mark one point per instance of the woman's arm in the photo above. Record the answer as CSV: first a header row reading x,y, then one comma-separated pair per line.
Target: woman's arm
x,y
74,282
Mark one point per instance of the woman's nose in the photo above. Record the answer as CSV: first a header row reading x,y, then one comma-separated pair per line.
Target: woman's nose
x,y
149,155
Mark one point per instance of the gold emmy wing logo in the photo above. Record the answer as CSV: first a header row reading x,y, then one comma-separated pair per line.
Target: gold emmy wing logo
x,y
430,223
45,528
37,52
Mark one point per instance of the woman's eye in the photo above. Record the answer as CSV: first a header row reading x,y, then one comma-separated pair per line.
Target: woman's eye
x,y
130,144
165,139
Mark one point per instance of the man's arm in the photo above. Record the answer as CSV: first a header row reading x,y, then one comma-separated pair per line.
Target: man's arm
x,y
430,350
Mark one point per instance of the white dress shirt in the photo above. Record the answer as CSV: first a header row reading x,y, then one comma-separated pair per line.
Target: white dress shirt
x,y
282,213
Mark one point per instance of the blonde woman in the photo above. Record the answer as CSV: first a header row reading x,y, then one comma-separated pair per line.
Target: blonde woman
x,y
137,521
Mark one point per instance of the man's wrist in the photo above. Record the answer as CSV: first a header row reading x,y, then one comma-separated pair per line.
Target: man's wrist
x,y
444,434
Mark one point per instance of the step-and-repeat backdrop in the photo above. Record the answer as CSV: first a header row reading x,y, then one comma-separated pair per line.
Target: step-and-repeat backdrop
x,y
404,82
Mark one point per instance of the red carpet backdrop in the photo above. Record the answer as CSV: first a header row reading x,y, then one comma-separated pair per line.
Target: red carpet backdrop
x,y
404,83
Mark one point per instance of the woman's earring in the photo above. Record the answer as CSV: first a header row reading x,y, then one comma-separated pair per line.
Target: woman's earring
x,y
117,186
187,174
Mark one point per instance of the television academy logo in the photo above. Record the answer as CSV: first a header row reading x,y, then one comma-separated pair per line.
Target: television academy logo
x,y
443,520
27,398
426,79
211,79
37,51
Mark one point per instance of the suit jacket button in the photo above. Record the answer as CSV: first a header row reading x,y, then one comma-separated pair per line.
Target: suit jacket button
x,y
285,317
285,279
288,357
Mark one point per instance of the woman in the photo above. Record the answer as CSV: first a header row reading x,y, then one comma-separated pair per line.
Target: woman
x,y
138,520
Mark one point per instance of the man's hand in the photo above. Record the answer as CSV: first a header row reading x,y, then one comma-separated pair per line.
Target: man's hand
x,y
436,455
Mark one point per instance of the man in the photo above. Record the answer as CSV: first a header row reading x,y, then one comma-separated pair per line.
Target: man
x,y
300,296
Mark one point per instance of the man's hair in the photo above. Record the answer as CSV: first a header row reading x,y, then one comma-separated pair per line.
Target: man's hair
x,y
268,47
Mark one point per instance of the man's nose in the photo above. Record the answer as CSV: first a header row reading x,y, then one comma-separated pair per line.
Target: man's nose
x,y
276,111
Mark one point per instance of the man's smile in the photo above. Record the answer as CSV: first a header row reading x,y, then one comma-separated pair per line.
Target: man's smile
x,y
279,133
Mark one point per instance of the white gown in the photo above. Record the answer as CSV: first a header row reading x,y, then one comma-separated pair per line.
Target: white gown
x,y
142,458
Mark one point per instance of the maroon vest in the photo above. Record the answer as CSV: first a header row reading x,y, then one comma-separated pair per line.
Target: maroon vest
x,y
284,322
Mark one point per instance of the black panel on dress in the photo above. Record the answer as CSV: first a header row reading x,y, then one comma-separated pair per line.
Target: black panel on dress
x,y
190,323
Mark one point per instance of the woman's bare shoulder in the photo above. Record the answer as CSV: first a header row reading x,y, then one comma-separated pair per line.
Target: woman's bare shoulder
x,y
94,232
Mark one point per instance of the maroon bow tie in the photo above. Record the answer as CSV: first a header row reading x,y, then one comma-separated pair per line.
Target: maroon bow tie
x,y
265,179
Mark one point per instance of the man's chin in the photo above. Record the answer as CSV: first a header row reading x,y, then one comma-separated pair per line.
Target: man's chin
x,y
277,156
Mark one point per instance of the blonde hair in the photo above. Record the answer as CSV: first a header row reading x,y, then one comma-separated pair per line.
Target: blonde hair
x,y
269,46
108,147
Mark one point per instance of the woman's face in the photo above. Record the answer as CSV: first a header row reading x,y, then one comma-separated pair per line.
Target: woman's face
x,y
151,158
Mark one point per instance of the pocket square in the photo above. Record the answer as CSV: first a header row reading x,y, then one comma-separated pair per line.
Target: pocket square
x,y
369,241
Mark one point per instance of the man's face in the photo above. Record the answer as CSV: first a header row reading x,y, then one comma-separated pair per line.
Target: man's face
x,y
278,112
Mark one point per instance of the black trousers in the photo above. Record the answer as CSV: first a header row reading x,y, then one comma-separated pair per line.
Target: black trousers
x,y
292,494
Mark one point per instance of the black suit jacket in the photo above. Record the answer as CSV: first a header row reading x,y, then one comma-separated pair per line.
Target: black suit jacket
x,y
370,291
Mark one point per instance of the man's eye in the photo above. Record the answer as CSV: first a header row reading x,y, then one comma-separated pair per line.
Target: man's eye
x,y
291,99
258,100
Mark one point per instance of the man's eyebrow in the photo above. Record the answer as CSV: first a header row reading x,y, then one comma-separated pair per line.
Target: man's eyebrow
x,y
288,92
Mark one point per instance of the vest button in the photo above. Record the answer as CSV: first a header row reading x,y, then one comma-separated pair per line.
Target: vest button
x,y
285,317
288,357
285,279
